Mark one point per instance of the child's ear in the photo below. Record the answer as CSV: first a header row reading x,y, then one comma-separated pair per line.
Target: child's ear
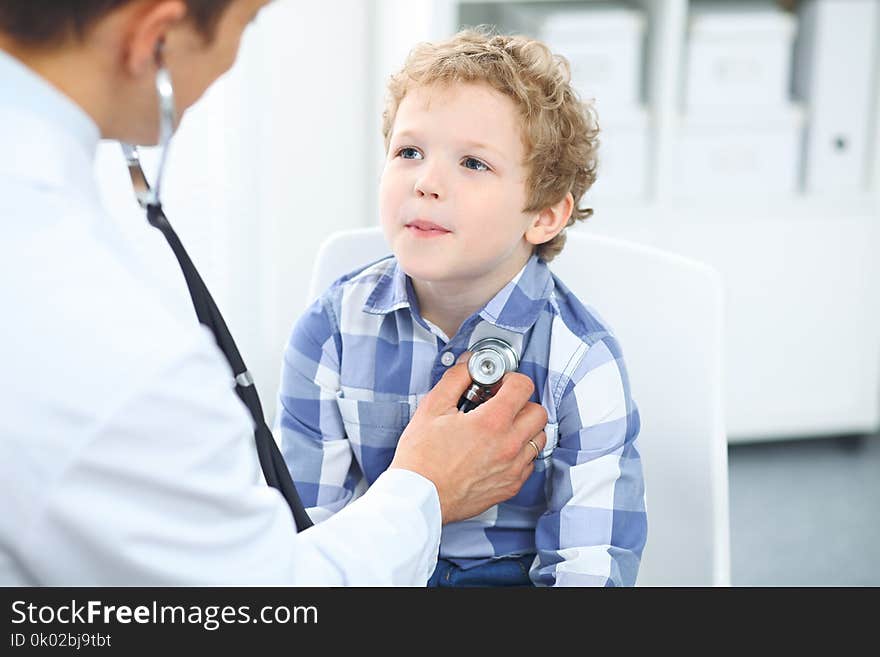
x,y
548,223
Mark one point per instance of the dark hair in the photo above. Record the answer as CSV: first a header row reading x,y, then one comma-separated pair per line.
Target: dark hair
x,y
49,22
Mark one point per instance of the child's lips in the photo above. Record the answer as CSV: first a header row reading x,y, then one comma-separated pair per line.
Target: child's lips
x,y
424,228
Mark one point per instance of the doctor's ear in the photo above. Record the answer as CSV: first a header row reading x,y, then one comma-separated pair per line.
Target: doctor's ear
x,y
548,223
146,31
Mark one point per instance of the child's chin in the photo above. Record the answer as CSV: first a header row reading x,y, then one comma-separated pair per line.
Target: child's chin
x,y
422,269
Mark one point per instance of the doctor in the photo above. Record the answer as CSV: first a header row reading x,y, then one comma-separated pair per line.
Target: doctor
x,y
125,456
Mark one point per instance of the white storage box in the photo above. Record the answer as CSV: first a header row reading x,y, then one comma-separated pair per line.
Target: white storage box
x,y
603,43
623,158
738,55
740,155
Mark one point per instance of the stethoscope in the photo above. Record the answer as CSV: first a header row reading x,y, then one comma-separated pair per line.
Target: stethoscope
x,y
271,461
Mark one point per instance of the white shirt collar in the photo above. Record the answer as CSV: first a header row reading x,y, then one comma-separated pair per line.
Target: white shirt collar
x,y
46,137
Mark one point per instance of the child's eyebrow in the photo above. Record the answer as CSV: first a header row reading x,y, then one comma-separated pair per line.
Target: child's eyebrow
x,y
405,134
482,146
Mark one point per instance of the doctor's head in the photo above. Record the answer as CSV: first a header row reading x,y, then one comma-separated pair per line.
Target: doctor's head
x,y
102,53
488,154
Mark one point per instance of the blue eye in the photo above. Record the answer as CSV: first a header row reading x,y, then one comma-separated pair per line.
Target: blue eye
x,y
474,164
409,153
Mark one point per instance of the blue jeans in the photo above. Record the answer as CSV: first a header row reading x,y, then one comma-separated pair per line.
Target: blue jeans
x,y
508,571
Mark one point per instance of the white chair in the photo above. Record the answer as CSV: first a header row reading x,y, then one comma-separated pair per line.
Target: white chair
x,y
667,313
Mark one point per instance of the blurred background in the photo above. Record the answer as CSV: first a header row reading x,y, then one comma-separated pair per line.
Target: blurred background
x,y
743,134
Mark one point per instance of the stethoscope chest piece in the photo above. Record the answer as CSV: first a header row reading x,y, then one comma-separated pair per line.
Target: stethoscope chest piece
x,y
491,359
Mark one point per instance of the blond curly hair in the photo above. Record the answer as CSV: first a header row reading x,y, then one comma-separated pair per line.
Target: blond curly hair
x,y
559,131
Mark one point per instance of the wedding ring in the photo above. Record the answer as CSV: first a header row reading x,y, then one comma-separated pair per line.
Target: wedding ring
x,y
537,451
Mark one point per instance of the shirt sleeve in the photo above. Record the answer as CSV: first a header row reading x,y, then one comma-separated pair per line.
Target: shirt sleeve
x,y
313,439
595,527
168,491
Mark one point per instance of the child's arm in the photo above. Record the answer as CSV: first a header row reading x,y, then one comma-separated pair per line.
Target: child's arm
x,y
313,438
595,527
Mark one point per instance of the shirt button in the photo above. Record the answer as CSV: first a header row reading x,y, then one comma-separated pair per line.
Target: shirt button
x,y
448,358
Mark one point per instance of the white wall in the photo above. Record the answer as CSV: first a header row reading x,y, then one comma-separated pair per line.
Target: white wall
x,y
307,95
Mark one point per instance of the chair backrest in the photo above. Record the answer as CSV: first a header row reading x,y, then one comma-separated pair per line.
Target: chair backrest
x,y
667,313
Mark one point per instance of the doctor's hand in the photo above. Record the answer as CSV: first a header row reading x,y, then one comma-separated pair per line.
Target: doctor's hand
x,y
475,459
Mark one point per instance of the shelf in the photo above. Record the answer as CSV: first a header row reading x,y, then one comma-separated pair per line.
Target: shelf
x,y
663,81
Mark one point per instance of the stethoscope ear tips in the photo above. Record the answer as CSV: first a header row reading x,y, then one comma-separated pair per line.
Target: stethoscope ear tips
x,y
168,120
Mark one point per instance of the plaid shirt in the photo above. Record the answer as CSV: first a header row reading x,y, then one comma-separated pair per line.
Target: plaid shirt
x,y
362,357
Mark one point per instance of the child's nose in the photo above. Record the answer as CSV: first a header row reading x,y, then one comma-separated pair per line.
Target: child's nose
x,y
429,184
421,191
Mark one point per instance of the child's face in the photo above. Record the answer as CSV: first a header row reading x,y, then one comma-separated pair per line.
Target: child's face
x,y
454,185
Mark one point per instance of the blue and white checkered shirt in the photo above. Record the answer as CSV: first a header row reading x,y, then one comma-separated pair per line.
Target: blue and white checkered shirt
x,y
362,357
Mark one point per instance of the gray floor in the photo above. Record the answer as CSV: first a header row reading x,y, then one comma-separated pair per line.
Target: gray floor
x,y
806,512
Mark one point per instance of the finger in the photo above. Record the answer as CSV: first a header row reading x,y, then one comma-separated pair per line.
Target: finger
x,y
449,389
530,421
510,398
527,471
465,356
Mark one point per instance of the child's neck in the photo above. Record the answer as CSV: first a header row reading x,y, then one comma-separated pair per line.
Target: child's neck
x,y
447,304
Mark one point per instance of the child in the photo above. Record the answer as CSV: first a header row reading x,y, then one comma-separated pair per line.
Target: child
x,y
489,152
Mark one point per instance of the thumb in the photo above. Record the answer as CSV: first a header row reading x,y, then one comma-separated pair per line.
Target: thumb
x,y
449,389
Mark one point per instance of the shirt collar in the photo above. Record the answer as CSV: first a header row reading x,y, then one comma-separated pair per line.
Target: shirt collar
x,y
515,307
45,135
